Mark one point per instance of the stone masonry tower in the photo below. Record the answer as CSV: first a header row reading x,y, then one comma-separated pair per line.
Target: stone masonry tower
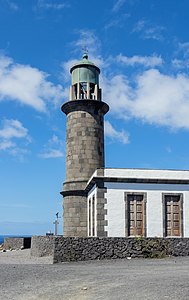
x,y
84,142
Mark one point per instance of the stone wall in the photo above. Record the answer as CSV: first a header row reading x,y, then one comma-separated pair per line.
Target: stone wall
x,y
79,249
65,249
17,243
42,246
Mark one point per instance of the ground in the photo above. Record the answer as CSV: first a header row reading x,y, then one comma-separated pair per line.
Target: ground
x,y
24,278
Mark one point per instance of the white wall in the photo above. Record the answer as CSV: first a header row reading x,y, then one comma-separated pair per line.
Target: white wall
x,y
90,196
186,214
115,212
154,219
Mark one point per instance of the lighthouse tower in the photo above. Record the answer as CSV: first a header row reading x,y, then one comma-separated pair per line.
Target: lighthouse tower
x,y
84,142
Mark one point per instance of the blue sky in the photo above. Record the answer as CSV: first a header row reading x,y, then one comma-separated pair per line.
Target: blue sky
x,y
142,48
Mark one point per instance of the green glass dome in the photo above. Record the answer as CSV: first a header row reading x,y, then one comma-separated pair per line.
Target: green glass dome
x,y
84,61
85,71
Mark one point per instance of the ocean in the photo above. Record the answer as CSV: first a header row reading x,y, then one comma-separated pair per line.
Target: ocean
x,y
4,236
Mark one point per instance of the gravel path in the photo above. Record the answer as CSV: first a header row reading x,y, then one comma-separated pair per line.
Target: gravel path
x,y
22,257
23,278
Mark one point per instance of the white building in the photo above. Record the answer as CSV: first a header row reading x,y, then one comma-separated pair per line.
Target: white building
x,y
113,202
138,202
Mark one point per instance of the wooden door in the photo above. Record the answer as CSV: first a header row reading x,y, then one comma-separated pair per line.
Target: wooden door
x,y
135,215
173,215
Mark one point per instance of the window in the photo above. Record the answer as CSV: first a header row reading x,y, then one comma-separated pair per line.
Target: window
x,y
173,215
83,90
135,214
92,88
91,216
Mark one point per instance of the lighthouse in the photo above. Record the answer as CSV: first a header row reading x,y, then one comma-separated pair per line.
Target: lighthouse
x,y
84,112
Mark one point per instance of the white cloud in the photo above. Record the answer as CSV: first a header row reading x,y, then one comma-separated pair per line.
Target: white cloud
x,y
146,61
139,26
150,96
117,92
55,141
181,60
43,4
12,5
26,85
118,21
149,31
184,47
154,33
13,129
111,132
87,39
19,152
11,132
52,153
180,63
54,148
155,98
66,69
117,5
6,144
168,149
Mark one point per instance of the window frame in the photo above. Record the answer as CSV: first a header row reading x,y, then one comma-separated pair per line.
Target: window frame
x,y
91,218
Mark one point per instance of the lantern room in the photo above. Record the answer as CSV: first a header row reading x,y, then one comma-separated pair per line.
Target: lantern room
x,y
85,81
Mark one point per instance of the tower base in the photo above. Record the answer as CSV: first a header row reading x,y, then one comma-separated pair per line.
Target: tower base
x,y
74,209
75,216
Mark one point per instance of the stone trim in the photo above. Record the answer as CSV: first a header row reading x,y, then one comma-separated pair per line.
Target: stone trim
x,y
74,193
126,211
101,211
100,172
73,181
84,105
164,210
96,180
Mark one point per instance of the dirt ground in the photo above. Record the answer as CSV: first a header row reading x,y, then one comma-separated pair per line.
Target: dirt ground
x,y
22,278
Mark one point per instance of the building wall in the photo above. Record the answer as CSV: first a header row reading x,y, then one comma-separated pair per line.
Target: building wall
x,y
154,211
115,206
92,195
96,212
186,214
115,212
